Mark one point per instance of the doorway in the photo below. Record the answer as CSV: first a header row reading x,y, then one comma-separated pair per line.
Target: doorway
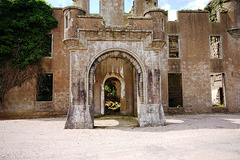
x,y
112,94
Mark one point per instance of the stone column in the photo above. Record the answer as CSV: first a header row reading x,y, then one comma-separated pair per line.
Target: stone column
x,y
79,116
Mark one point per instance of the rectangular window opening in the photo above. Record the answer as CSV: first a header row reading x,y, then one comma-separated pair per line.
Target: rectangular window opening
x,y
173,46
218,89
215,47
66,21
45,87
175,98
49,45
162,24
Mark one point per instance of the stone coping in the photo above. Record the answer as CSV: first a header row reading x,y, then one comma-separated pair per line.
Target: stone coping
x,y
234,32
155,10
192,11
145,18
57,8
89,16
73,7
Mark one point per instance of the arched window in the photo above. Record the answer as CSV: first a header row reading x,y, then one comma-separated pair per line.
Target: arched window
x,y
162,20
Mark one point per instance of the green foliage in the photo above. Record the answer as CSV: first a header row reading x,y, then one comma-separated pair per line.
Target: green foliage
x,y
110,88
23,28
24,25
212,8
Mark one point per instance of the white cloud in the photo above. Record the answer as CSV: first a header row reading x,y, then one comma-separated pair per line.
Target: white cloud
x,y
196,4
172,15
166,7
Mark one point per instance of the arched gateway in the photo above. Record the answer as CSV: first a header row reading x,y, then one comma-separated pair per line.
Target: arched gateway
x,y
114,63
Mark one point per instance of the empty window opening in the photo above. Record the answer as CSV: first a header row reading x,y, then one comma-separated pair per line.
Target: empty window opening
x,y
94,7
112,93
155,4
175,98
215,46
173,46
162,24
45,87
218,89
66,21
49,45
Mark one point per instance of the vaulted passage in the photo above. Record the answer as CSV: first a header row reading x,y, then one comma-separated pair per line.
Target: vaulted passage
x,y
115,88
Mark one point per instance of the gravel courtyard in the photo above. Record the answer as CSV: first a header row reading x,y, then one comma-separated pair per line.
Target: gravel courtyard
x,y
204,136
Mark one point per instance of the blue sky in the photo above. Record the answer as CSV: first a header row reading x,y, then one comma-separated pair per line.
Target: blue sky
x,y
171,5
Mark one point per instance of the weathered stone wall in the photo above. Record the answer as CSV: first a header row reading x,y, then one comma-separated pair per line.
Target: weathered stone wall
x,y
112,12
194,31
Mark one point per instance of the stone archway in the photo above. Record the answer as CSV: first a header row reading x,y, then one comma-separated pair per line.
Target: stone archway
x,y
81,110
139,71
128,57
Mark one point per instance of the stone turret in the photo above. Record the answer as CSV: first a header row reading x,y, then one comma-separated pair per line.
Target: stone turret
x,y
233,7
112,12
84,4
140,6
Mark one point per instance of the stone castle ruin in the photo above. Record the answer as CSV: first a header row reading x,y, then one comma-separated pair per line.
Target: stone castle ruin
x,y
154,65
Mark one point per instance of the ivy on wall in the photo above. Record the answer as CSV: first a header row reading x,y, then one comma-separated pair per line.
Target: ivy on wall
x,y
23,40
215,6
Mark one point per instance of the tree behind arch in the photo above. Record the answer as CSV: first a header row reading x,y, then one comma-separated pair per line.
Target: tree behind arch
x,y
23,40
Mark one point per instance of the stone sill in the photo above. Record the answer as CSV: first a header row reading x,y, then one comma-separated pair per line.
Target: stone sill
x,y
44,106
219,109
173,110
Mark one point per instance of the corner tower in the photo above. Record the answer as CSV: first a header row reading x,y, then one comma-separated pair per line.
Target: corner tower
x,y
84,4
140,6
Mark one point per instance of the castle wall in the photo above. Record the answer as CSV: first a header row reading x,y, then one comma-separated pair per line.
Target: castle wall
x,y
195,64
146,42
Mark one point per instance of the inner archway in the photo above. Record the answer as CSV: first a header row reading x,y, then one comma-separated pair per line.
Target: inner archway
x,y
112,96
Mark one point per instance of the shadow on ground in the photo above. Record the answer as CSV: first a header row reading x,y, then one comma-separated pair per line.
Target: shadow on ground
x,y
174,122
